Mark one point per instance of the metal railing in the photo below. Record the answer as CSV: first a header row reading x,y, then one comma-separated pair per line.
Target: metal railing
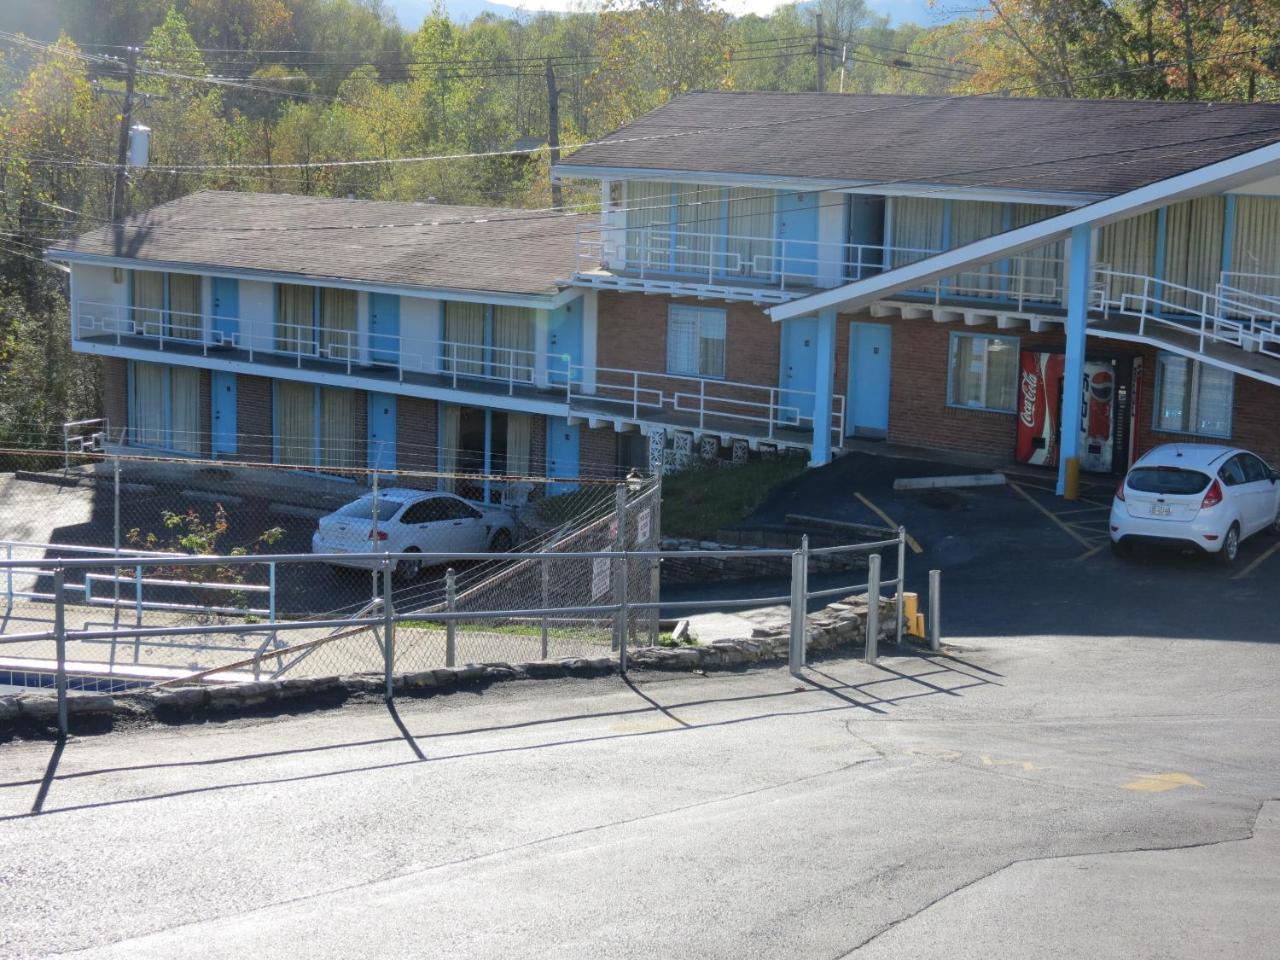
x,y
700,402
383,616
1226,315
1015,281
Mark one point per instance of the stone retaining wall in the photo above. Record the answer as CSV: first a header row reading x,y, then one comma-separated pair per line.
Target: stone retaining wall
x,y
699,568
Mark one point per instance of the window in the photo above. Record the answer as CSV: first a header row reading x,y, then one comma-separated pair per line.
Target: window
x,y
1232,472
695,341
295,318
983,372
1254,469
1192,397
338,323
426,511
165,407
168,304
315,426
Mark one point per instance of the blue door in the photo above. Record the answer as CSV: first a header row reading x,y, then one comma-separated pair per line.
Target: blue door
x,y
563,443
870,346
223,389
384,328
798,236
799,368
382,431
226,309
564,343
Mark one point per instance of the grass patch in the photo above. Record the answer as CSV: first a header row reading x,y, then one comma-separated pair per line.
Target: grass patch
x,y
700,501
532,630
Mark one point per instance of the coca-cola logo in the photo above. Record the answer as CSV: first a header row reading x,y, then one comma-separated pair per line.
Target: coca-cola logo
x,y
1030,385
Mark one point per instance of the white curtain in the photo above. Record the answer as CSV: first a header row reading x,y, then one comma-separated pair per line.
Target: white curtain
x,y
338,322
917,228
295,318
697,227
1193,248
973,220
450,430
1040,268
464,337
513,343
749,246
184,399
148,405
185,317
337,427
1255,246
648,225
148,302
296,421
1129,246
695,341
519,439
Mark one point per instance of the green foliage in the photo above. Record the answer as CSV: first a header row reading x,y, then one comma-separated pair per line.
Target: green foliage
x,y
192,534
700,501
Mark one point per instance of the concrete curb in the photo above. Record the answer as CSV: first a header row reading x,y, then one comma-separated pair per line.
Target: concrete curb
x,y
960,480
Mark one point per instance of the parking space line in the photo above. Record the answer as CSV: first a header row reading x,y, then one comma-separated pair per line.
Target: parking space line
x,y
889,522
1087,544
1089,553
1257,561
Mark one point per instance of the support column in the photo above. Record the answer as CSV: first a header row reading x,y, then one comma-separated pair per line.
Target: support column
x,y
1080,268
824,375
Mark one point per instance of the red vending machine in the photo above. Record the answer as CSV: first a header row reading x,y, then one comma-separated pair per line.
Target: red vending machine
x,y
1041,415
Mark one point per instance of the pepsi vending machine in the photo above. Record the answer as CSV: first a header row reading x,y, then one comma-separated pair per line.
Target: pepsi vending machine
x,y
1042,417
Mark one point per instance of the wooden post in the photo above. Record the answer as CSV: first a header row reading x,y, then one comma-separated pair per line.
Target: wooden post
x,y
553,132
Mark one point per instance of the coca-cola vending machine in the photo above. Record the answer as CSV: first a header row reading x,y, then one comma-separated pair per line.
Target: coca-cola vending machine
x,y
1041,415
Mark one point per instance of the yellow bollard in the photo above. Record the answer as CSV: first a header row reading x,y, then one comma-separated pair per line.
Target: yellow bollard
x,y
1071,483
910,605
919,626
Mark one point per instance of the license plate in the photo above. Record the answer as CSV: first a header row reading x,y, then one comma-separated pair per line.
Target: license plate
x,y
1160,509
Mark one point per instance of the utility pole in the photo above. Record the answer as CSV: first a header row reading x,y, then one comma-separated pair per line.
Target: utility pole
x,y
119,199
553,132
820,50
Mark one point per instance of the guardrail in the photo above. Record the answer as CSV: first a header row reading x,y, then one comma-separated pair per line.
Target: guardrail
x,y
381,616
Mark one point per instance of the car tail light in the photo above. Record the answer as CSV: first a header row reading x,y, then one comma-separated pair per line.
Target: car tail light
x,y
377,534
1120,489
1212,497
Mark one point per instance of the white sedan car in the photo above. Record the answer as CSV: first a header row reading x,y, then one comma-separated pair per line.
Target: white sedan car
x,y
1210,497
412,521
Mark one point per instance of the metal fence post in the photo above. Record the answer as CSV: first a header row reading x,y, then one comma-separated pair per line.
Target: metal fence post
x,y
60,641
8,555
450,625
546,601
655,565
795,646
619,545
873,607
388,627
115,526
902,573
622,615
935,610
271,600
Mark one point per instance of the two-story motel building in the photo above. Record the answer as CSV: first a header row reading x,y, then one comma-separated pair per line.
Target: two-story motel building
x,y
1031,279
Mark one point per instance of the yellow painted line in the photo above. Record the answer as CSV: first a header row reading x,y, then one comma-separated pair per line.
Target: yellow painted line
x,y
1162,782
1067,513
889,522
1049,513
1089,553
1265,555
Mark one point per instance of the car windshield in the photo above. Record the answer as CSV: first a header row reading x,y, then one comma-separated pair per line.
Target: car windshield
x,y
362,509
1173,480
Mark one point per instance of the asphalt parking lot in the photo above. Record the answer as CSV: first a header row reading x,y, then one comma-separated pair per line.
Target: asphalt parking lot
x,y
1018,560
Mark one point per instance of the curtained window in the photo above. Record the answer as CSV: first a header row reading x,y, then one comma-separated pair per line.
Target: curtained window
x,y
749,244
295,422
186,320
973,220
697,216
338,323
464,338
695,341
917,228
148,405
1193,249
519,444
450,435
184,406
295,318
1129,247
1255,246
648,225
1039,270
512,353
1192,397
337,428
983,372
148,302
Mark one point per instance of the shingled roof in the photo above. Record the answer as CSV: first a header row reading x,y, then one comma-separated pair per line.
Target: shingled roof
x,y
1093,147
432,246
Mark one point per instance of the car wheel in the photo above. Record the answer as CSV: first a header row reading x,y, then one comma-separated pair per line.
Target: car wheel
x,y
501,542
1122,549
407,569
1230,546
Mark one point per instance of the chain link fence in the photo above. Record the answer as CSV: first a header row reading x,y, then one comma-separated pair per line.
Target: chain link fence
x,y
296,617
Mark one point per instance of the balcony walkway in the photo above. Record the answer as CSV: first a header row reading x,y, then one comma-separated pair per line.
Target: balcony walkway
x,y
1260,366
725,426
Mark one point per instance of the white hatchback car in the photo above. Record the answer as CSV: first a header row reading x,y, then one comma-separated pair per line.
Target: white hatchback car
x,y
1210,497
412,521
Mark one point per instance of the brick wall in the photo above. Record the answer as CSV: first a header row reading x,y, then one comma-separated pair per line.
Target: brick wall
x,y
253,418
206,413
598,452
919,415
416,434
115,394
360,430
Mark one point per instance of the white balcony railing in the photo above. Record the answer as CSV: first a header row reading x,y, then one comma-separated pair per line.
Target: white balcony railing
x,y
765,412
1227,315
